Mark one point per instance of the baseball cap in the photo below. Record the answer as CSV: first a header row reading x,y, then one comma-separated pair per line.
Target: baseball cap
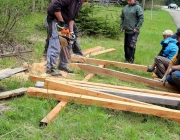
x,y
177,34
168,32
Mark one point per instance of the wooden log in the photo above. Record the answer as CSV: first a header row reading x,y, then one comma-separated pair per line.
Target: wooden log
x,y
125,76
102,52
10,72
107,103
107,62
91,50
52,114
12,93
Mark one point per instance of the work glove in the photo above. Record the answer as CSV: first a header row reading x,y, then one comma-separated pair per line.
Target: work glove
x,y
73,36
163,80
150,68
60,25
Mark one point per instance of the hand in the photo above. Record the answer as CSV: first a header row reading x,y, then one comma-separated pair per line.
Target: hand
x,y
150,68
60,25
73,36
135,30
163,80
121,30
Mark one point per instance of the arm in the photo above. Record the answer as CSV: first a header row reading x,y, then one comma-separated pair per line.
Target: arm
x,y
59,16
121,21
71,24
140,19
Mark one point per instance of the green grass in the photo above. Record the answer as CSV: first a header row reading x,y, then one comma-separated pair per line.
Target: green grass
x,y
81,122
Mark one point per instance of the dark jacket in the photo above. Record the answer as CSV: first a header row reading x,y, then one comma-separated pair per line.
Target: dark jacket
x,y
68,8
131,18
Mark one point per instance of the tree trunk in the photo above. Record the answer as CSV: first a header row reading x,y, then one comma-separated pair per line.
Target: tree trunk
x,y
33,5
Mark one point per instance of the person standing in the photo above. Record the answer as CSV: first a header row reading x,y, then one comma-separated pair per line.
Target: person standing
x,y
60,12
131,20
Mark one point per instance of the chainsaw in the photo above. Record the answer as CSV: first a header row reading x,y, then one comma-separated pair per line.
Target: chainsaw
x,y
65,39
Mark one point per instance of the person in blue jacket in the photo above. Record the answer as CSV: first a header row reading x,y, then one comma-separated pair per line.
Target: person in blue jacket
x,y
162,60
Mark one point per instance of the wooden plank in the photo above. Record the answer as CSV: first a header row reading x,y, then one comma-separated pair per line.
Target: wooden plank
x,y
55,85
91,50
102,52
10,72
66,87
12,93
56,110
107,103
125,76
53,114
35,78
107,62
148,98
90,75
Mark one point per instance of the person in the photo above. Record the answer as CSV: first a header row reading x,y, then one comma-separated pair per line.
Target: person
x,y
161,61
60,12
76,48
172,75
131,20
176,34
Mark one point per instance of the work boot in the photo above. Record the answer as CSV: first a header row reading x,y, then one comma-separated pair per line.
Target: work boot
x,y
66,70
54,73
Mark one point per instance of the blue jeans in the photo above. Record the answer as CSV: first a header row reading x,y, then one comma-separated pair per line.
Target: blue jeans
x,y
174,78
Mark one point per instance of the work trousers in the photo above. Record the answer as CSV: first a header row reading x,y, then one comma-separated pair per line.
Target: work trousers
x,y
76,48
130,46
162,64
174,78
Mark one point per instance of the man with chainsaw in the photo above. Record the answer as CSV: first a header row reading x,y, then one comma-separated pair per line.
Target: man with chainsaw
x,y
76,48
131,20
172,74
59,13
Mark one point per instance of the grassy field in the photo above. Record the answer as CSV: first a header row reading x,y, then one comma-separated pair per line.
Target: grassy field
x,y
81,122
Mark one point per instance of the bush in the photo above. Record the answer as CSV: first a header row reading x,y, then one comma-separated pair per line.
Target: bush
x,y
88,23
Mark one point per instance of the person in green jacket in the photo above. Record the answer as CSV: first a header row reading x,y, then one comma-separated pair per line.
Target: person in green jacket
x,y
131,20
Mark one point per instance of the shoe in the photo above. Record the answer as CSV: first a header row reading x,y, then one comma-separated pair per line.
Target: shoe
x,y
66,70
54,73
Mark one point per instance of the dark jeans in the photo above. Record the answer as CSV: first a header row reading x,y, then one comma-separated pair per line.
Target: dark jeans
x,y
130,46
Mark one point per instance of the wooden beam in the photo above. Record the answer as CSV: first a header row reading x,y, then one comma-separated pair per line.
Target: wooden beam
x,y
107,103
91,50
107,62
35,78
59,86
148,98
102,52
56,110
52,114
90,75
125,76
12,93
10,72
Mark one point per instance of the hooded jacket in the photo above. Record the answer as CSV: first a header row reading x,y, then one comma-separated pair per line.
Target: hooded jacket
x,y
68,8
169,48
131,18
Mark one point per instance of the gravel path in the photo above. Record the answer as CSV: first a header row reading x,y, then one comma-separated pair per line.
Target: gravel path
x,y
175,14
